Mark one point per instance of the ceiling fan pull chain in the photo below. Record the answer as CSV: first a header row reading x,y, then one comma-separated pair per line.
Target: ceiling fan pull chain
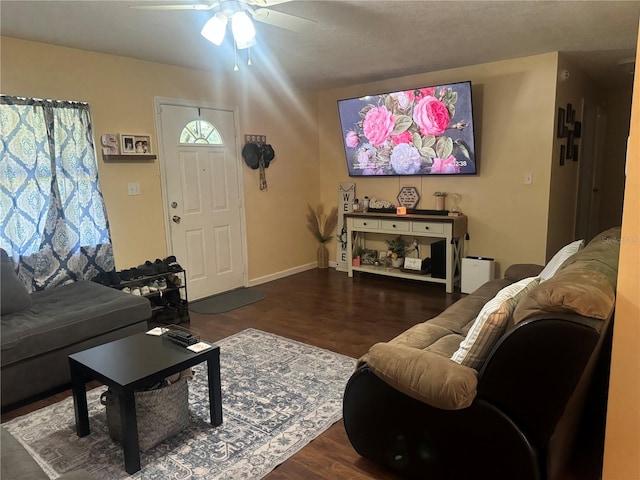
x,y
235,57
249,61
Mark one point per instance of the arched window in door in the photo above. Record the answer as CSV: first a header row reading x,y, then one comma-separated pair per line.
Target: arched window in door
x,y
200,132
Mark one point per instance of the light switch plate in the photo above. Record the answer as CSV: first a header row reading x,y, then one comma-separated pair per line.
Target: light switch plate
x,y
134,188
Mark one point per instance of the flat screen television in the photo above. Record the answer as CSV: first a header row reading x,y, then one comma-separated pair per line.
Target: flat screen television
x,y
422,131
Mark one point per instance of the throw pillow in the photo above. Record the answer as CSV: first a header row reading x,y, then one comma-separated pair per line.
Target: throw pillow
x,y
559,258
491,323
13,294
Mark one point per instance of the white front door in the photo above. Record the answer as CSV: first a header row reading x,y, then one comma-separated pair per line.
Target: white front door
x,y
201,169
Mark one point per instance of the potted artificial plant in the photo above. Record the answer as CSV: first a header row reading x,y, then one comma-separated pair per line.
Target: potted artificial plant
x,y
398,248
322,226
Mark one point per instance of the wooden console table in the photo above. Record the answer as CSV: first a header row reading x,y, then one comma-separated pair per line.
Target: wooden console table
x,y
450,229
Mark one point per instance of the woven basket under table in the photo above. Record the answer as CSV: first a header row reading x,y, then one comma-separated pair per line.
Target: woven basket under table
x,y
160,413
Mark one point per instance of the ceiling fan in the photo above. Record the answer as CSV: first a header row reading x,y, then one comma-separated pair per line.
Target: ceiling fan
x,y
225,10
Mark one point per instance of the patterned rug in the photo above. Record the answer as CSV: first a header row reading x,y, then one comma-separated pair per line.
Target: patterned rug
x,y
277,396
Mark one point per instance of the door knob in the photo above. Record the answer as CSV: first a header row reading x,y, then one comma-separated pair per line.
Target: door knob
x,y
176,219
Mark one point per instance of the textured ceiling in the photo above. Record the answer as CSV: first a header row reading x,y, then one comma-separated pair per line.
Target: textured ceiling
x,y
352,41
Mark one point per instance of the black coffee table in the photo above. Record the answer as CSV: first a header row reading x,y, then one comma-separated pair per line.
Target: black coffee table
x,y
131,364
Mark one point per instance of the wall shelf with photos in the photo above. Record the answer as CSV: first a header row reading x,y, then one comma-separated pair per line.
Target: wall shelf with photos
x,y
108,158
119,147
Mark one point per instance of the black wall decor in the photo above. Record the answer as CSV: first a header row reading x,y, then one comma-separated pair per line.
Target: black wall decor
x,y
571,130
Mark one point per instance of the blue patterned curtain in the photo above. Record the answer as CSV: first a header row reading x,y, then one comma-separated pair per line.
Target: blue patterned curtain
x,y
54,222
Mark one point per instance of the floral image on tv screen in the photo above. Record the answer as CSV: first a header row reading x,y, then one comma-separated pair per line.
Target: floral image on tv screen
x,y
422,131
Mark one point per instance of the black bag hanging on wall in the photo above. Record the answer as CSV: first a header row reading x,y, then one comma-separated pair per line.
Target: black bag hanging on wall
x,y
266,155
258,156
251,155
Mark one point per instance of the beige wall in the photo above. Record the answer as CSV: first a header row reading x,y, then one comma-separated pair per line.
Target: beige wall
x,y
622,440
563,194
514,103
121,94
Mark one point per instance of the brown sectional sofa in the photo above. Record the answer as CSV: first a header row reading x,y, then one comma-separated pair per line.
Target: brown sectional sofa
x,y
410,406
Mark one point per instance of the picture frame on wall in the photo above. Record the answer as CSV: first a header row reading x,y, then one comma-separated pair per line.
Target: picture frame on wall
x,y
561,131
142,144
135,144
110,144
127,144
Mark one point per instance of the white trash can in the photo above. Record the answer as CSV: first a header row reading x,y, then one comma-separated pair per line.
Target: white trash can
x,y
476,271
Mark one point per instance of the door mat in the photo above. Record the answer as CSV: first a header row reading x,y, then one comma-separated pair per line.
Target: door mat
x,y
227,301
277,394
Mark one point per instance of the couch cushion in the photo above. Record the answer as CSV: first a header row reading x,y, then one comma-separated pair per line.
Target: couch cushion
x,y
18,464
423,375
65,315
460,316
600,254
16,461
520,271
491,323
13,294
417,362
559,258
442,334
585,284
422,335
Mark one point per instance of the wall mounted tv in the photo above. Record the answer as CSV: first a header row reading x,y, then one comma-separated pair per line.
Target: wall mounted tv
x,y
422,131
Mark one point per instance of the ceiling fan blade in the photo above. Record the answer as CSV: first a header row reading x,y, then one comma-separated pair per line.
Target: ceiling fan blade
x,y
185,6
282,20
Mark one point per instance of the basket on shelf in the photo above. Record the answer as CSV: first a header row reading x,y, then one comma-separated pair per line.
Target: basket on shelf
x,y
161,413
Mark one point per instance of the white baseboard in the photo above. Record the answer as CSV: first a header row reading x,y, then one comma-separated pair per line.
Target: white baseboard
x,y
284,273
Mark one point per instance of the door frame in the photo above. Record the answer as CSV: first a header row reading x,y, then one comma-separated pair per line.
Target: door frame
x,y
180,102
589,194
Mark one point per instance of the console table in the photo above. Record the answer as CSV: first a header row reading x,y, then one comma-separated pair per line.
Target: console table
x,y
450,229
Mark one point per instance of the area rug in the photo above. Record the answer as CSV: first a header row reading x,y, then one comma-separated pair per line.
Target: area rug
x,y
227,301
277,396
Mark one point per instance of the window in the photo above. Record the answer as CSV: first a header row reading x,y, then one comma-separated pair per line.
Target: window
x,y
200,132
51,207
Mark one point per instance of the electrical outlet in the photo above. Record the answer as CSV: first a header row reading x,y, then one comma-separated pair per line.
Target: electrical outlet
x,y
134,188
528,178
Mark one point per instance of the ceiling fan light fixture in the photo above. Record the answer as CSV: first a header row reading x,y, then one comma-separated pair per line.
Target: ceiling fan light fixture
x,y
215,29
244,33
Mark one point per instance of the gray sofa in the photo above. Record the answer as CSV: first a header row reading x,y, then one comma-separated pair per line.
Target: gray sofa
x,y
40,330
17,464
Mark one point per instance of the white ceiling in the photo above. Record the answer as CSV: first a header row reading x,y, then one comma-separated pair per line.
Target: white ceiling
x,y
352,41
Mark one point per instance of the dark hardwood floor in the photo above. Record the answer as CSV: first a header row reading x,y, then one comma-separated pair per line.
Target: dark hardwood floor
x,y
327,309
